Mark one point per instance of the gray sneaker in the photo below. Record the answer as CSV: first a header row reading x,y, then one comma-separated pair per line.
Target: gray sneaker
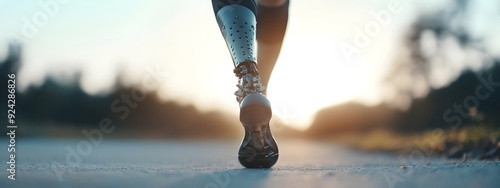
x,y
258,148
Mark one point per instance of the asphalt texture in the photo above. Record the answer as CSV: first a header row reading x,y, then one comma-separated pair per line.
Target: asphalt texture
x,y
208,163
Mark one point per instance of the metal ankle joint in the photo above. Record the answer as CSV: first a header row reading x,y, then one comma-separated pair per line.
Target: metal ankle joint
x,y
249,80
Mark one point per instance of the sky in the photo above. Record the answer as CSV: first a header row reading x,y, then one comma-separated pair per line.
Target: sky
x,y
102,39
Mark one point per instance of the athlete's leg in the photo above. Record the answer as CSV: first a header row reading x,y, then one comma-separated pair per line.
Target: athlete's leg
x,y
272,19
237,22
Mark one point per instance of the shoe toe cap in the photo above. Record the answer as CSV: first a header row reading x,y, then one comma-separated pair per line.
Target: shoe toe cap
x,y
255,99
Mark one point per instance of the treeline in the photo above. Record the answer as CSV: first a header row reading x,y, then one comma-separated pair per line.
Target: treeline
x,y
52,107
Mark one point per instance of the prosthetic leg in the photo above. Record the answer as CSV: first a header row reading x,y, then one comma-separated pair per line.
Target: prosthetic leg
x,y
237,22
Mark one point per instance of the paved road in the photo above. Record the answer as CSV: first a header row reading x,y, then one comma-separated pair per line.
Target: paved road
x,y
131,163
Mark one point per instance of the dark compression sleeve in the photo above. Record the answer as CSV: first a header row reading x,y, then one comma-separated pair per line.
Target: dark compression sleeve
x,y
218,4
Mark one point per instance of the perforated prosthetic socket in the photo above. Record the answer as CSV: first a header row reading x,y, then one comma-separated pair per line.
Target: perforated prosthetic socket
x,y
238,26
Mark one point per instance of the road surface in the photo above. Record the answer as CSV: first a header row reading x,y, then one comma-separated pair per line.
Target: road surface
x,y
133,163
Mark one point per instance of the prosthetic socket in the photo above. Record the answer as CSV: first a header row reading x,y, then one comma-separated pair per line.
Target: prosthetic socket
x,y
238,25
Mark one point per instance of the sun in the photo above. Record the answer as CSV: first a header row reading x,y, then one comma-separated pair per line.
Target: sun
x,y
309,76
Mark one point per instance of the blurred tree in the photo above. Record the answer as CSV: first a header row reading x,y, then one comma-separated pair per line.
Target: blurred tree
x,y
439,69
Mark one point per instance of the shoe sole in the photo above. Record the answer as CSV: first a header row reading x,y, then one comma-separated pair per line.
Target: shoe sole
x,y
258,148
